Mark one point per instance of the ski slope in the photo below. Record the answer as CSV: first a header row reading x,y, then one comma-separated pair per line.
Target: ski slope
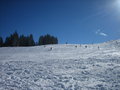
x,y
65,67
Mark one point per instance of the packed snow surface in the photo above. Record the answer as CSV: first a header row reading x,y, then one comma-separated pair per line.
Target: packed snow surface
x,y
61,67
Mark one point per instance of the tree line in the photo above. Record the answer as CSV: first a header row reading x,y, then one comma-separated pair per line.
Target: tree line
x,y
22,40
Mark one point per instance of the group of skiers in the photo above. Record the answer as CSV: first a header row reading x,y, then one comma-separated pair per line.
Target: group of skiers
x,y
87,46
51,48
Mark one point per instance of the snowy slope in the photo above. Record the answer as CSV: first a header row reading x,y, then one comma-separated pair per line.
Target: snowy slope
x,y
65,67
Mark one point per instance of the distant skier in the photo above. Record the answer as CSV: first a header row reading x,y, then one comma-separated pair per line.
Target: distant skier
x,y
44,46
85,46
75,46
98,48
51,49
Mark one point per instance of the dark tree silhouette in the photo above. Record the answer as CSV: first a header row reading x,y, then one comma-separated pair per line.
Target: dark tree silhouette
x,y
47,39
26,40
41,40
8,41
1,42
31,41
15,39
12,40
22,40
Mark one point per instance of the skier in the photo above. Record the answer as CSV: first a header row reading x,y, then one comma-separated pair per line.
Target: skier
x,y
98,48
75,46
51,49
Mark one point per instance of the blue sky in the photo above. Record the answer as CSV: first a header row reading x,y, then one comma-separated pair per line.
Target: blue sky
x,y
72,21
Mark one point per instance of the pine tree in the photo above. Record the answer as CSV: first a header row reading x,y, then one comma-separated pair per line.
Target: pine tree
x,y
1,42
12,40
8,41
48,39
41,41
26,40
31,41
15,39
22,40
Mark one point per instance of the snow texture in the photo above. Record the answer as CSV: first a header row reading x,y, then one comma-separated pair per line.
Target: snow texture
x,y
64,67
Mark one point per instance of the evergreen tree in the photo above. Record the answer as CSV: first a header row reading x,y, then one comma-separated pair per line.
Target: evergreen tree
x,y
8,41
1,42
22,40
40,42
31,41
12,40
26,40
15,39
48,39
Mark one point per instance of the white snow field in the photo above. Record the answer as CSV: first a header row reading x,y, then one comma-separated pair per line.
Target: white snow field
x,y
65,67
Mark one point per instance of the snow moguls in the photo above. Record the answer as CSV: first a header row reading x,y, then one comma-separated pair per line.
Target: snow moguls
x,y
64,67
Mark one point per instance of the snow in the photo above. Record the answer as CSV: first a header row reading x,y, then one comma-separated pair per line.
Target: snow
x,y
65,67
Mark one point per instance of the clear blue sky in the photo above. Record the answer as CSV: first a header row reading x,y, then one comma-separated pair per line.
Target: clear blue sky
x,y
72,21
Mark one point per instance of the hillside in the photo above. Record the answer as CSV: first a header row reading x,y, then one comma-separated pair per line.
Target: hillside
x,y
61,67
